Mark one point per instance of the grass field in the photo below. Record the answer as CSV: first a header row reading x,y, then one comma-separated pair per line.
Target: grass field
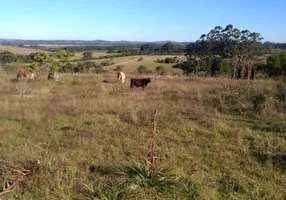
x,y
131,62
18,50
74,139
79,55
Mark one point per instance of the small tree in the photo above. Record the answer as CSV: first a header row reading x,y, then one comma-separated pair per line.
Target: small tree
x,y
40,58
142,69
54,65
6,57
160,70
33,66
62,55
276,63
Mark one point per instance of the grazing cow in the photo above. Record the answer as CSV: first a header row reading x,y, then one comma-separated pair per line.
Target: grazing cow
x,y
121,76
140,82
54,75
25,73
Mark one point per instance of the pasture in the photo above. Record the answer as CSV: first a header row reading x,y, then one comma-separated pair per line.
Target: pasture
x,y
19,50
131,63
79,55
218,138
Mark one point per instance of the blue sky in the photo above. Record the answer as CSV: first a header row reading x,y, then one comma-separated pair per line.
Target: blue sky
x,y
138,20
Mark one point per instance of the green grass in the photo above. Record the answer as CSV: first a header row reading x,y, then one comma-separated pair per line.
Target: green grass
x,y
19,50
217,137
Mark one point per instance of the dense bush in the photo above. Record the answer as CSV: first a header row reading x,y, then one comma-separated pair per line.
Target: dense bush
x,y
276,63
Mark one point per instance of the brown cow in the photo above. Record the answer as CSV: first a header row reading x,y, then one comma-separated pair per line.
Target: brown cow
x,y
143,82
25,73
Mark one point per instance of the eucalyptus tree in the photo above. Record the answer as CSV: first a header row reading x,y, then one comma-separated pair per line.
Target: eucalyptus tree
x,y
239,47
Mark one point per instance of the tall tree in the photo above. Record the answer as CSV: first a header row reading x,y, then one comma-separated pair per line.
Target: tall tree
x,y
168,47
39,59
240,47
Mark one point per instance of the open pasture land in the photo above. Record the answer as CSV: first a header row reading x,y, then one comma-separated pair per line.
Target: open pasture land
x,y
79,55
19,50
220,139
131,63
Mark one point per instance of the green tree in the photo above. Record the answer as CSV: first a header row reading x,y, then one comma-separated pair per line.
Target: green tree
x,y
54,65
169,47
33,66
41,57
240,47
63,55
276,63
38,60
150,47
6,57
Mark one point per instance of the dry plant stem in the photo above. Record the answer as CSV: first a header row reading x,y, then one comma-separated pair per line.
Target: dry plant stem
x,y
16,182
152,151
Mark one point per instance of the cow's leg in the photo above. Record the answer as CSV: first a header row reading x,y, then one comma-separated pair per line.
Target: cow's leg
x,y
131,84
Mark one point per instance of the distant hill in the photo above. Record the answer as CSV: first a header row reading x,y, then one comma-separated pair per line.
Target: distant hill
x,y
78,42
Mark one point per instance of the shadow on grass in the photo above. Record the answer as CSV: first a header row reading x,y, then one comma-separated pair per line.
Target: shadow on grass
x,y
277,160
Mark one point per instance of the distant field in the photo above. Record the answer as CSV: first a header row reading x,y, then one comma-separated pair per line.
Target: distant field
x,y
18,50
94,54
131,63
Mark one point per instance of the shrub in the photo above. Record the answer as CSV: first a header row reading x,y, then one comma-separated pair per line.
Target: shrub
x,y
143,70
160,70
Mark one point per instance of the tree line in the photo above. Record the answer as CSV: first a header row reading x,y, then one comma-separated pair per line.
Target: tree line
x,y
223,51
232,52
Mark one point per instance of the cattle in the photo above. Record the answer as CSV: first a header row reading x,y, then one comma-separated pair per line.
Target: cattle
x,y
54,75
121,76
26,73
140,82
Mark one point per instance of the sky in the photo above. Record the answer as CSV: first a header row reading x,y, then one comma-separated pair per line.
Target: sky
x,y
138,20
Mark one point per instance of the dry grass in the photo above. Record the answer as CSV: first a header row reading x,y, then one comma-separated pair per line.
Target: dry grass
x,y
77,133
79,55
19,50
131,63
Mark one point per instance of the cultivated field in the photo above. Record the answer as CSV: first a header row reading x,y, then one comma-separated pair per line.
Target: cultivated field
x,y
18,50
81,138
